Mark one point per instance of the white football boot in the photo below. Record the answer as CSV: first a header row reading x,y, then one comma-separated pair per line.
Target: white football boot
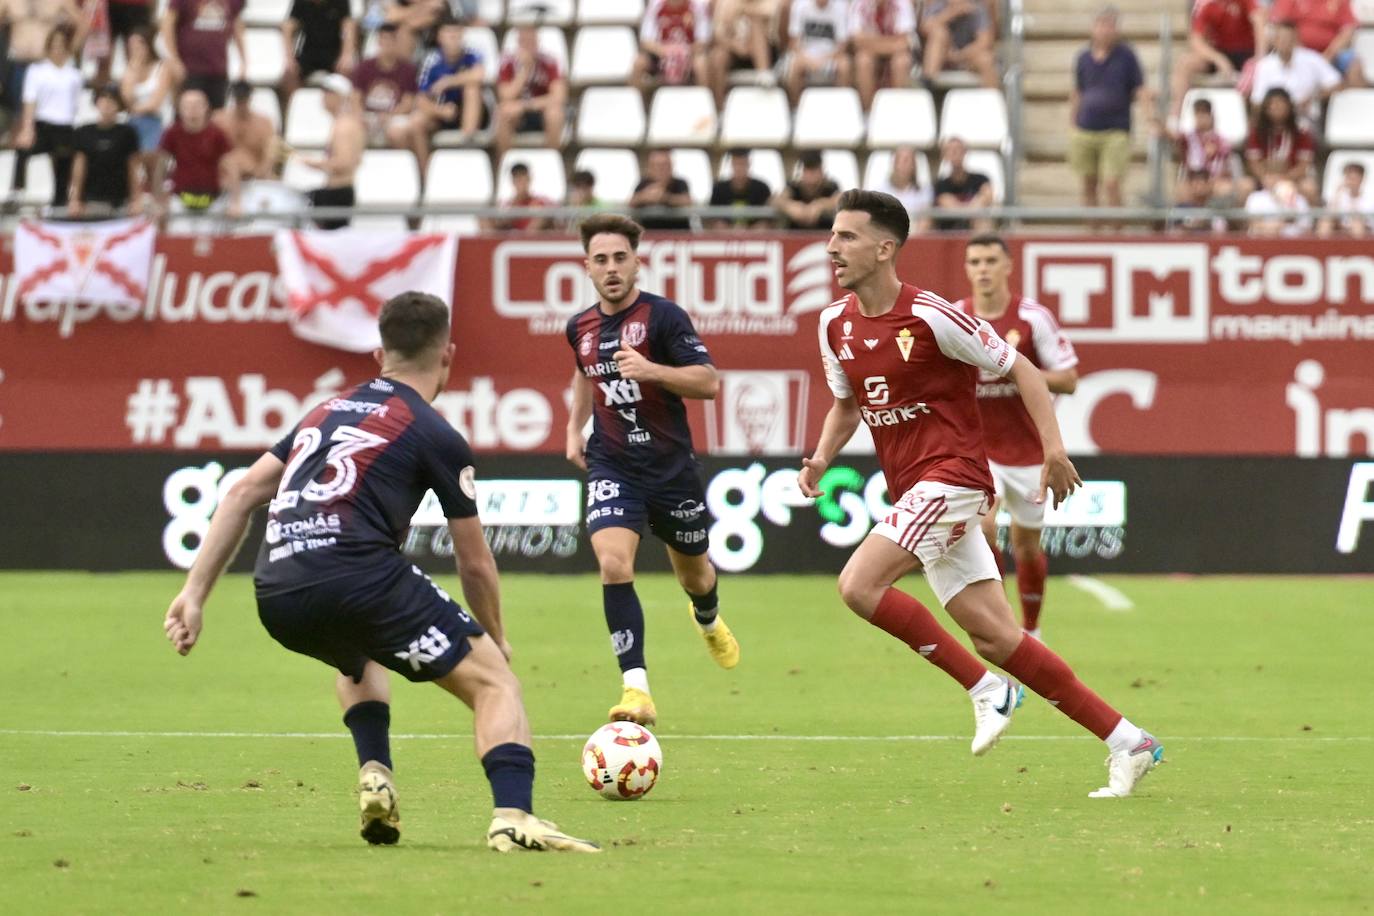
x,y
381,819
513,830
1126,769
992,711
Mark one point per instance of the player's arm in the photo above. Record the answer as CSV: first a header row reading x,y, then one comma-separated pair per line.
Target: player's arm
x,y
478,576
1059,475
227,528
701,381
1060,381
579,412
840,423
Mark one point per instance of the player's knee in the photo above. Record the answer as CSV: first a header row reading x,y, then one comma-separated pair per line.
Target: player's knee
x,y
857,592
616,567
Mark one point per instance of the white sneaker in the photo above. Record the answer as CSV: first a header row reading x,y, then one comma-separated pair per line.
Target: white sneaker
x,y
992,711
380,818
514,830
1126,769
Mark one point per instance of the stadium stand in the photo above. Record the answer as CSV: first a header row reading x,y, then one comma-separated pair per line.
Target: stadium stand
x,y
389,178
603,55
547,177
756,116
1350,118
610,116
612,12
976,116
902,117
828,117
466,179
616,171
307,123
694,167
1228,111
682,116
879,166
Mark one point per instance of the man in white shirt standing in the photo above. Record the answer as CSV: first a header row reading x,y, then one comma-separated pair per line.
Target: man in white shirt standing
x,y
52,88
817,42
1308,77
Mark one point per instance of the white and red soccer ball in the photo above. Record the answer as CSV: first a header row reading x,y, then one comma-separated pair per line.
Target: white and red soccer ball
x,y
622,761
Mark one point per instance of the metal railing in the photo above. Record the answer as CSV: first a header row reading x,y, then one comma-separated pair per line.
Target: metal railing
x,y
1012,87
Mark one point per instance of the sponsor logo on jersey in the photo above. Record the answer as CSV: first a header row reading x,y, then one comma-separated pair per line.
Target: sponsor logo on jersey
x,y
870,342
584,346
904,343
891,416
845,352
634,334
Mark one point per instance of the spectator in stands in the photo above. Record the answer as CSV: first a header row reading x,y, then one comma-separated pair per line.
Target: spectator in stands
x,y
1195,194
817,45
961,189
30,23
384,91
342,154
958,35
144,88
1307,77
582,193
105,170
1204,150
1266,205
522,196
531,91
739,190
902,183
196,36
1354,201
1327,27
320,36
1107,79
256,144
194,165
809,202
673,41
47,123
883,33
1223,36
127,17
450,96
417,22
742,30
660,189
1279,148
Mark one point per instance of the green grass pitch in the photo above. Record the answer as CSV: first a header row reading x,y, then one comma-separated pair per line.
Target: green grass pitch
x,y
829,773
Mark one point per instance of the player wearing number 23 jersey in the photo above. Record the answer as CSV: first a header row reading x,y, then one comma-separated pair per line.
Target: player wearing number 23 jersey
x,y
904,362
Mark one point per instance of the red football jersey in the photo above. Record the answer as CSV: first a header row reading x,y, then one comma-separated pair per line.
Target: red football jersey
x,y
676,23
1030,328
1226,24
914,371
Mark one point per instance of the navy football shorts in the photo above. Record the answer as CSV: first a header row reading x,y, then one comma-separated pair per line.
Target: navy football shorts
x,y
392,614
674,509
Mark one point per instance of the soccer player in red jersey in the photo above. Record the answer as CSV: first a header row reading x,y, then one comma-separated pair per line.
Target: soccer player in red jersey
x,y
1015,456
905,362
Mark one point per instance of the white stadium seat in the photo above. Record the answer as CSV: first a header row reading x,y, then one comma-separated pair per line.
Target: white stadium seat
x,y
457,176
265,13
1339,159
603,54
1350,118
828,116
879,167
39,185
986,162
482,41
1228,113
1364,48
682,116
1364,11
266,57
754,116
694,167
265,101
545,12
300,177
491,12
610,116
902,117
307,123
765,165
601,12
551,42
841,165
616,171
546,174
389,177
976,116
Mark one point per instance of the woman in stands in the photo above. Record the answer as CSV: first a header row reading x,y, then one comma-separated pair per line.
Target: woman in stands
x,y
1279,148
901,182
144,87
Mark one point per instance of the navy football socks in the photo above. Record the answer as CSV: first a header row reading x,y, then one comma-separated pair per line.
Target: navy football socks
x,y
625,620
705,606
370,723
510,770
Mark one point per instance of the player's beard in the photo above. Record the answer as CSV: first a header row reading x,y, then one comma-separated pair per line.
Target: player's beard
x,y
621,292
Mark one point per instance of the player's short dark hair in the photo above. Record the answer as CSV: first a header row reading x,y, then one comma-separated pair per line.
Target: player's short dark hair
x,y
519,168
583,179
1201,105
1355,167
413,322
811,159
884,210
988,238
612,224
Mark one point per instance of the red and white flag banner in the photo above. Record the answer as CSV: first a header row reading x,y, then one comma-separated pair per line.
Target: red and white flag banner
x,y
336,282
104,263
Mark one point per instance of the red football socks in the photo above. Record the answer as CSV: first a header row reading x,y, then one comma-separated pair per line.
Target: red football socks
x,y
911,621
1030,583
1048,675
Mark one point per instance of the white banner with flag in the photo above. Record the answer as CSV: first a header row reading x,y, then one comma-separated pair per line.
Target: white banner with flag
x,y
337,281
102,263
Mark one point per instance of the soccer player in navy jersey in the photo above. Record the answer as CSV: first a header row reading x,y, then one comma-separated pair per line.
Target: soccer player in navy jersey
x,y
637,357
332,583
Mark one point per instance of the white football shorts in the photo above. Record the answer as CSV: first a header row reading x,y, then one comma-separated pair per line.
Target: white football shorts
x,y
1017,487
941,525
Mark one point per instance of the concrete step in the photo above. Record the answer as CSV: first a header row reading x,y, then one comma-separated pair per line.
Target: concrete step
x,y
1053,184
1047,130
1133,26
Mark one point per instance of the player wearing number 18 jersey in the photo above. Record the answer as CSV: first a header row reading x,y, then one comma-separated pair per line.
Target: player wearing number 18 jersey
x,y
1013,445
905,362
332,583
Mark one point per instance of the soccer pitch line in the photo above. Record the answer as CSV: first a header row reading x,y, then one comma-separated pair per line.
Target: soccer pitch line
x,y
1113,599
458,736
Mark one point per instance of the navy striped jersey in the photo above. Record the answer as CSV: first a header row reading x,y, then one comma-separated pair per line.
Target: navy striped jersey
x,y
639,430
357,468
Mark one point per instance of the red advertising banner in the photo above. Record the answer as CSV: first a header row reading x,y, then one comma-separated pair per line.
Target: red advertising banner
x,y
1186,347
